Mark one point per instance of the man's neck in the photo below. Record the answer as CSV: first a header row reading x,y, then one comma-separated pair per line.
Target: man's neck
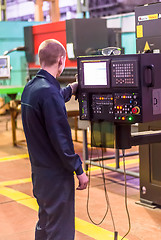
x,y
52,70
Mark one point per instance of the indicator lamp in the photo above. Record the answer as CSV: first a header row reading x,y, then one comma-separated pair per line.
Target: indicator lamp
x,y
124,96
130,118
118,107
111,98
123,118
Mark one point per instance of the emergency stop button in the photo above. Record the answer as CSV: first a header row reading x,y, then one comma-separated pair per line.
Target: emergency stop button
x,y
136,110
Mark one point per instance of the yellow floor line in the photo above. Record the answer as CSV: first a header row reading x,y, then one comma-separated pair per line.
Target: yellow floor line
x,y
15,182
127,162
19,157
19,197
27,180
14,157
82,226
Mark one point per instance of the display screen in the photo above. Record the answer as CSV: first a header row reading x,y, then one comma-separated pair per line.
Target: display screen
x,y
3,62
95,73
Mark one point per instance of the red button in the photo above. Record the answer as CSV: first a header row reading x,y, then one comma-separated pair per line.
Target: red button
x,y
134,110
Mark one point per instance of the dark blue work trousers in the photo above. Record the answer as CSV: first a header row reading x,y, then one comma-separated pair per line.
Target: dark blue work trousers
x,y
55,197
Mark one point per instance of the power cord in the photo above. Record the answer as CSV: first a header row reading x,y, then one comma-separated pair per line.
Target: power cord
x,y
88,195
127,211
106,194
112,217
101,165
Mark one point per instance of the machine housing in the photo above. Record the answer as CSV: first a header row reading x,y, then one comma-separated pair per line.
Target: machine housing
x,y
120,89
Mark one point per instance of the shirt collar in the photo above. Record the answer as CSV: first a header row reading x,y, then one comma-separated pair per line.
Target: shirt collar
x,y
44,74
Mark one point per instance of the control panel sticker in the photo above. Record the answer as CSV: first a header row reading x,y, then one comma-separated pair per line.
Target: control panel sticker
x,y
139,31
149,17
156,94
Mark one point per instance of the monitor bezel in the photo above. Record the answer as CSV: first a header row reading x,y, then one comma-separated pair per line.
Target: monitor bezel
x,y
107,61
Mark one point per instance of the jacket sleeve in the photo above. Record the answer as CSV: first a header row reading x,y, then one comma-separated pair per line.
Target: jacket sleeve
x,y
59,133
66,92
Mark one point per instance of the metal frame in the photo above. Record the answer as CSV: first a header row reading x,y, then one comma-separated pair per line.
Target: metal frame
x,y
116,157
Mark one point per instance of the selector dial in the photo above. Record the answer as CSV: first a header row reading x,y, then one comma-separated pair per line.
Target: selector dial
x,y
136,110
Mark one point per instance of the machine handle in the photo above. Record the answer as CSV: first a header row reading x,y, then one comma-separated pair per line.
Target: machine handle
x,y
149,75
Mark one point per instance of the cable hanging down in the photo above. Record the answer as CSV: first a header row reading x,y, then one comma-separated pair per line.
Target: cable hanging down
x,y
126,206
101,164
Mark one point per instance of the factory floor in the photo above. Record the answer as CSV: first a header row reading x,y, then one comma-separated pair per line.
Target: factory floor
x,y
18,208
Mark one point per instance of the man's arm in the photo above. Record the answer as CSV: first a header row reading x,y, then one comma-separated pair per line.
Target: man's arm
x,y
59,132
60,136
68,91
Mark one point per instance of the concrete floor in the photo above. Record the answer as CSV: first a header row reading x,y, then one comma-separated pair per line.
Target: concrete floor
x,y
18,209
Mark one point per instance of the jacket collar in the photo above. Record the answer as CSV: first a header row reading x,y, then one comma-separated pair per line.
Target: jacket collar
x,y
44,74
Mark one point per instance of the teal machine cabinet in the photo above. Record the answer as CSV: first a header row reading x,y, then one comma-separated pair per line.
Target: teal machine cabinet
x,y
12,36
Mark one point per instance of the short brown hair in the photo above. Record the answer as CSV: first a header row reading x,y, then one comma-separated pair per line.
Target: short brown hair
x,y
49,51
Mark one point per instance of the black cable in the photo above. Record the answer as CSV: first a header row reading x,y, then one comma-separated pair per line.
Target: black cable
x,y
105,190
128,215
21,48
106,194
88,197
113,222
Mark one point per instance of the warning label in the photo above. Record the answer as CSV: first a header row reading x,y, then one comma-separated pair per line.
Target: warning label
x,y
146,48
139,31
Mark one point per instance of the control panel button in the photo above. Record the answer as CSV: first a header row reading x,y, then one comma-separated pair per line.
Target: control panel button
x,y
136,110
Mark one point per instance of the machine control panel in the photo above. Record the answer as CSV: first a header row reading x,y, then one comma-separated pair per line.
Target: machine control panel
x,y
120,107
101,105
123,89
126,106
124,73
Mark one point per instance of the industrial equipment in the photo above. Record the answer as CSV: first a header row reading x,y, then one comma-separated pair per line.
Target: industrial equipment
x,y
124,90
120,89
148,28
5,67
148,25
80,37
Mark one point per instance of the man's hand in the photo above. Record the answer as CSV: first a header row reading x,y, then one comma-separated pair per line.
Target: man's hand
x,y
74,87
83,181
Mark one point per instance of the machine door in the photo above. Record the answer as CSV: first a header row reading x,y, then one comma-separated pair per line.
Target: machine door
x,y
150,165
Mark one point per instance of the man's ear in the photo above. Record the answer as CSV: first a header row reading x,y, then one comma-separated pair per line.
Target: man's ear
x,y
60,61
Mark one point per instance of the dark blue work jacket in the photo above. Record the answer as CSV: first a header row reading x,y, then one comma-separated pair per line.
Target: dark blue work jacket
x,y
46,128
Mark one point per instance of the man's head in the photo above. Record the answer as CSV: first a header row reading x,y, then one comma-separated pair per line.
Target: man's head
x,y
52,53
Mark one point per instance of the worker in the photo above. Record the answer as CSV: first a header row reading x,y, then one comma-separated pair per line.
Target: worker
x,y
51,151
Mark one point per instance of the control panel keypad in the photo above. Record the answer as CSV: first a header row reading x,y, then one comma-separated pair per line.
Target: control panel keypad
x,y
124,73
